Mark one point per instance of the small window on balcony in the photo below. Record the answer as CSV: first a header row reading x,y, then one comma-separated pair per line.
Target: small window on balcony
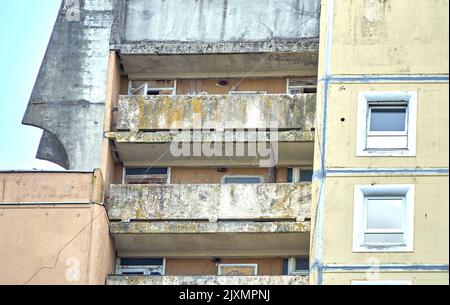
x,y
302,85
154,87
298,175
296,266
238,269
141,266
147,175
242,180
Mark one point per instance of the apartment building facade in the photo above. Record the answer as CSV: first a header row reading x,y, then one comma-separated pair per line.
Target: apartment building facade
x,y
288,142
381,193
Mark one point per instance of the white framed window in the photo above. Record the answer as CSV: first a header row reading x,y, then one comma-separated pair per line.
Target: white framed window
x,y
383,218
242,179
387,123
152,87
146,175
296,266
237,269
301,85
141,266
299,175
383,282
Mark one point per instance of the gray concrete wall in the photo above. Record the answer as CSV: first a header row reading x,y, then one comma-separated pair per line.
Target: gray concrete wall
x,y
69,94
220,20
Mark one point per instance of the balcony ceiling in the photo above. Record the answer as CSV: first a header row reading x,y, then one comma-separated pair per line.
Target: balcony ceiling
x,y
159,154
204,239
151,66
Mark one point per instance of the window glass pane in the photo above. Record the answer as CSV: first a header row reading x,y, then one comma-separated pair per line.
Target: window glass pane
x,y
387,119
242,180
384,213
285,266
302,264
306,175
290,175
132,273
386,238
141,261
147,171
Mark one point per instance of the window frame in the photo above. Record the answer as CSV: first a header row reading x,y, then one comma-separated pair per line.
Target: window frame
x,y
167,176
365,228
297,174
144,269
372,106
221,265
145,86
389,99
292,266
363,193
307,85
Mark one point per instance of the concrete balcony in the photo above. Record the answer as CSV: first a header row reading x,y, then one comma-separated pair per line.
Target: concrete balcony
x,y
280,39
147,126
200,202
208,280
210,220
250,111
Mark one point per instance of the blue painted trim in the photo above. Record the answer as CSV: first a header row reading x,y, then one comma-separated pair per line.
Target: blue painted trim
x,y
387,267
320,204
320,174
415,171
386,78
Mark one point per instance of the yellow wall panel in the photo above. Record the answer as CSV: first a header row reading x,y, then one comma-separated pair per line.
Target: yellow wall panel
x,y
390,37
430,221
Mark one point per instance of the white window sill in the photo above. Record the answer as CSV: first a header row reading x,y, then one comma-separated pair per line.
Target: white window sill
x,y
383,248
377,152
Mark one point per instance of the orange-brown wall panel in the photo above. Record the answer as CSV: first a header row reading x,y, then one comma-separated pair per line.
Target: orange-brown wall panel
x,y
186,175
180,267
195,86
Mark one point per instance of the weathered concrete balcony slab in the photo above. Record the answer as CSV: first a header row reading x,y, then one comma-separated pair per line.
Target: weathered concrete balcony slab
x,y
210,220
290,201
145,123
208,280
203,238
293,147
157,38
251,111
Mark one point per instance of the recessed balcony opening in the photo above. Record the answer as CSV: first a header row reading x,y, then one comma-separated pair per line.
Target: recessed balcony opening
x,y
217,266
211,86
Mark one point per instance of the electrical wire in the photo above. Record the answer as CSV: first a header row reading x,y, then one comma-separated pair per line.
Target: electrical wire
x,y
62,249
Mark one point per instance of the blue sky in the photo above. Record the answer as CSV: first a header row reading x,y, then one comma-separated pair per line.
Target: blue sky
x,y
25,29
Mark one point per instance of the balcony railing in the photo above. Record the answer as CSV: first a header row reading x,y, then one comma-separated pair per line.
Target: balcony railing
x,y
208,280
197,202
156,113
